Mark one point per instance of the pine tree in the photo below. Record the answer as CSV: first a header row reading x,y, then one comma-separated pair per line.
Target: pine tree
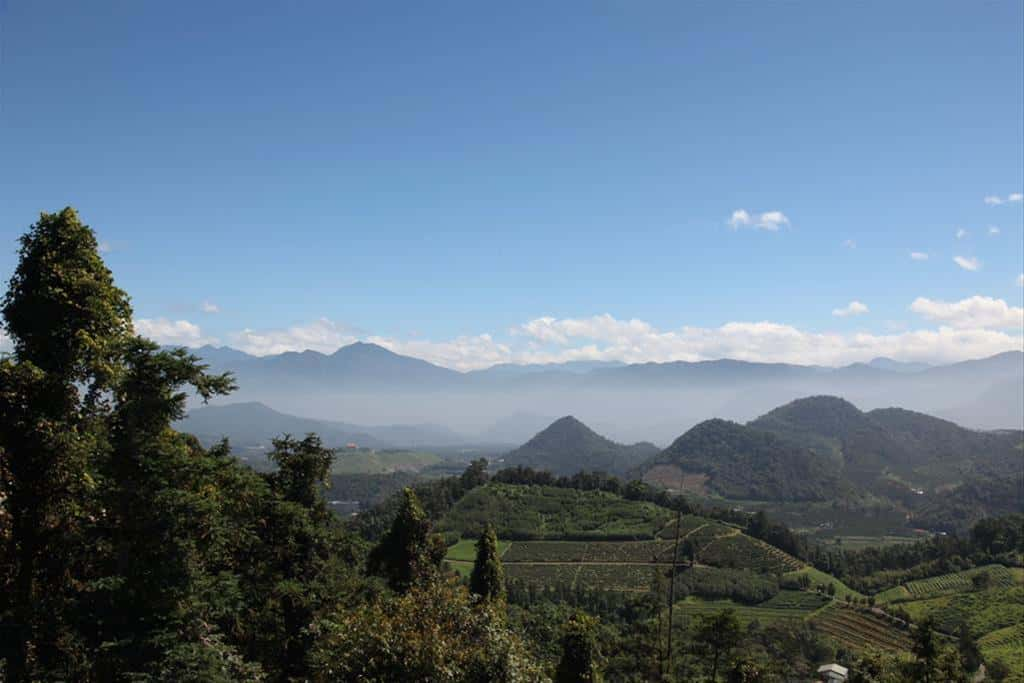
x,y
579,652
488,577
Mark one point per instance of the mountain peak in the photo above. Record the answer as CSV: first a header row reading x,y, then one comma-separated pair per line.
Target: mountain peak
x,y
567,446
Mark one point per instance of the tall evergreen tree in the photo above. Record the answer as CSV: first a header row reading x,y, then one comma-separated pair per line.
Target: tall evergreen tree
x,y
67,322
926,649
579,652
488,577
408,551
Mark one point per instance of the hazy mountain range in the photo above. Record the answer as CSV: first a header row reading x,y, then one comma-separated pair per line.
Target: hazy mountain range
x,y
365,384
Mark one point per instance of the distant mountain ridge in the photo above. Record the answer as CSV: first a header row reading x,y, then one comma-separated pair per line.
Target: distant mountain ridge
x,y
366,383
568,446
252,425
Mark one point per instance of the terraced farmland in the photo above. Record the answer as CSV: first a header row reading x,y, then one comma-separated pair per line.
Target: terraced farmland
x,y
582,551
861,630
689,608
548,574
632,578
801,600
740,551
697,529
997,575
983,611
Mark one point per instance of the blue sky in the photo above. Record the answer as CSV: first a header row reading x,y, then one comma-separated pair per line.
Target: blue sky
x,y
477,183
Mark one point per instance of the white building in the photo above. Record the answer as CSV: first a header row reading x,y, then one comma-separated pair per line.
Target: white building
x,y
833,673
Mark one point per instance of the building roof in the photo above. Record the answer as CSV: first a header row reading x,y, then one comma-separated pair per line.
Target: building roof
x,y
833,668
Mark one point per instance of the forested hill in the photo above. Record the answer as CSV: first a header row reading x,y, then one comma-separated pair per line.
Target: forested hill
x,y
568,446
744,463
918,447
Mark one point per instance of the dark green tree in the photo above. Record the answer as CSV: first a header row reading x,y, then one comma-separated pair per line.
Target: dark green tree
x,y
67,322
302,469
716,635
305,566
967,646
926,649
160,525
488,577
579,662
474,475
408,551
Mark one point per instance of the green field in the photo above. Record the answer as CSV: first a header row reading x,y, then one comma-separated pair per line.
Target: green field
x,y
741,551
367,461
997,575
801,600
548,512
860,630
819,577
465,550
685,610
594,551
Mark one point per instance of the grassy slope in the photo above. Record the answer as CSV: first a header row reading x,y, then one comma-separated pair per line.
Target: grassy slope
x,y
548,512
818,577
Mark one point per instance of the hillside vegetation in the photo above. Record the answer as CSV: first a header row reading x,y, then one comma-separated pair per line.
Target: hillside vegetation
x,y
744,463
568,446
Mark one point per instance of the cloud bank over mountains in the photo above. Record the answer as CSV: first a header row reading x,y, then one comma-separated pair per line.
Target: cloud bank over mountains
x,y
958,330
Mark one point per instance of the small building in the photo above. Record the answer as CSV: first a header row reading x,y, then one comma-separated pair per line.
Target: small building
x,y
352,446
833,673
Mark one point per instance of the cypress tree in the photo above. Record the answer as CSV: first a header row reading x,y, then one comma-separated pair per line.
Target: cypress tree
x,y
488,577
407,551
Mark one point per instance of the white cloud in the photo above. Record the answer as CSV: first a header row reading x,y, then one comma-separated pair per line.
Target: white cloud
x,y
172,332
605,338
993,230
461,353
852,308
1020,280
739,218
995,200
103,248
967,263
976,312
769,220
209,307
850,244
321,335
919,256
961,233
5,343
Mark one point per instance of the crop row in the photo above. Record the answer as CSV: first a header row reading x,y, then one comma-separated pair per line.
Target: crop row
x,y
739,551
860,630
801,600
596,551
692,607
994,576
614,577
